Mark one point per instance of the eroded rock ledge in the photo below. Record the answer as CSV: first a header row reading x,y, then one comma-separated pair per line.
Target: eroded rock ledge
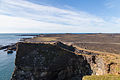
x,y
39,61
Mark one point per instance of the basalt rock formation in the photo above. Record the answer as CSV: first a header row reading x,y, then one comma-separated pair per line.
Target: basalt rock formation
x,y
39,61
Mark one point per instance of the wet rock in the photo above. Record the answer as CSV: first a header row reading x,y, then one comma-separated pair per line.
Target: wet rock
x,y
9,52
12,48
9,47
4,47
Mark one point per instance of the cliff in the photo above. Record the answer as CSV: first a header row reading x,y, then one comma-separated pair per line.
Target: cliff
x,y
49,62
58,61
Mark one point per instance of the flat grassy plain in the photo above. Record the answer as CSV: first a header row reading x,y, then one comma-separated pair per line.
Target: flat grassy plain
x,y
102,77
98,42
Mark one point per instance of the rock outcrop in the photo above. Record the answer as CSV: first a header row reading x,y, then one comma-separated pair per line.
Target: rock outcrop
x,y
97,64
58,61
49,62
9,48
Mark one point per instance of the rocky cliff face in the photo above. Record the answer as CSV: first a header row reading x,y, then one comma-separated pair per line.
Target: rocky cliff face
x,y
49,62
40,61
97,64
102,64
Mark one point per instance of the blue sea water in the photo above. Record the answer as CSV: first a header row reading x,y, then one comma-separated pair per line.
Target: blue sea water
x,y
7,60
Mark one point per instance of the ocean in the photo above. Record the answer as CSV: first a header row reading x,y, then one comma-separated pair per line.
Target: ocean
x,y
7,60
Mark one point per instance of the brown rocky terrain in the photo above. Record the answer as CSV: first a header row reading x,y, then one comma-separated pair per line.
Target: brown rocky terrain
x,y
98,42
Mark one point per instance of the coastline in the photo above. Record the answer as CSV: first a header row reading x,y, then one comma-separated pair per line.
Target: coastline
x,y
83,44
101,63
8,54
12,46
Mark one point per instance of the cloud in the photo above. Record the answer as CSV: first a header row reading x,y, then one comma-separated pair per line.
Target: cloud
x,y
25,16
109,4
112,4
18,24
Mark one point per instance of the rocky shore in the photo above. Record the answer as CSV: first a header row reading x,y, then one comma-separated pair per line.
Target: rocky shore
x,y
12,47
9,48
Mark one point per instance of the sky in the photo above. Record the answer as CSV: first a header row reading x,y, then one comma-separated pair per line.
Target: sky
x,y
59,16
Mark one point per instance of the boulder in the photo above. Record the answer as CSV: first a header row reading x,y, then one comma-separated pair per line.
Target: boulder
x,y
9,52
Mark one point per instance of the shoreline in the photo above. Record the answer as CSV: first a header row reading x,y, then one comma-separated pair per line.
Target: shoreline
x,y
100,63
51,38
110,60
10,48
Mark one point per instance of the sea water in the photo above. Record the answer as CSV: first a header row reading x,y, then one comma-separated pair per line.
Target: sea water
x,y
7,60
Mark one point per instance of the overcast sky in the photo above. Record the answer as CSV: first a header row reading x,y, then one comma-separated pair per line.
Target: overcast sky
x,y
59,16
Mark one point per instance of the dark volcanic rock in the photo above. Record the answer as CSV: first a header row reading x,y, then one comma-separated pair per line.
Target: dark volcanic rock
x,y
4,47
9,51
12,48
48,62
67,47
23,39
9,47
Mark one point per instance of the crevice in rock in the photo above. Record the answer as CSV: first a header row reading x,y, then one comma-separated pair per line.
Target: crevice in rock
x,y
109,66
93,59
